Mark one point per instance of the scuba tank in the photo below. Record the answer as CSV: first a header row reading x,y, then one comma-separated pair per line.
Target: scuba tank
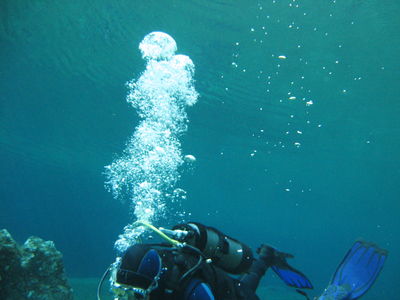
x,y
225,252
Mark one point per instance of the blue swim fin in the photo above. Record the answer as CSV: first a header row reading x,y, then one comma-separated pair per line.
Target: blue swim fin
x,y
277,260
291,276
356,273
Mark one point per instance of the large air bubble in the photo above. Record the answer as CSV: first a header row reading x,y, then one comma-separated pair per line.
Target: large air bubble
x,y
148,169
158,45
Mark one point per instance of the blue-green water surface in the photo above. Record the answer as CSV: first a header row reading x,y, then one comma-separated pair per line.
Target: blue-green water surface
x,y
302,153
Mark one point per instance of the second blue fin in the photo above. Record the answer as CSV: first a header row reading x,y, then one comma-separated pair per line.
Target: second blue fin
x,y
357,272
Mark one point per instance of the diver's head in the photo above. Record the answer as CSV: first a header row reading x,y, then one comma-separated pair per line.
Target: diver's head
x,y
137,273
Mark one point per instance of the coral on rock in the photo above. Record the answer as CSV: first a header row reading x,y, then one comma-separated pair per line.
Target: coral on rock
x,y
34,270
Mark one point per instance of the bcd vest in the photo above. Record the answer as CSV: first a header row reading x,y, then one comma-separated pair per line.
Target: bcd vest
x,y
179,266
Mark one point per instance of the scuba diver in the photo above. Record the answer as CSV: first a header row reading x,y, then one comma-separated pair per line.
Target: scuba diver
x,y
197,263
202,263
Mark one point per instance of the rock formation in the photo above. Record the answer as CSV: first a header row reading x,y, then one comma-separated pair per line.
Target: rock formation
x,y
34,270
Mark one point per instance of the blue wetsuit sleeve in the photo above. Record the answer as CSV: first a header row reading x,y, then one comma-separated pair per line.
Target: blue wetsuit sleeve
x,y
198,290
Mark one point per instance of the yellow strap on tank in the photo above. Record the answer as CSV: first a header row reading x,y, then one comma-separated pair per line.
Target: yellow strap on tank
x,y
161,234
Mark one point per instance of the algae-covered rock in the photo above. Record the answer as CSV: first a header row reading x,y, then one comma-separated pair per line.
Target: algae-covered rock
x,y
10,267
34,270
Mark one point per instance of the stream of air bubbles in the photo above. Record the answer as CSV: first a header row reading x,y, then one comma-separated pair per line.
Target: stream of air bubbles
x,y
147,171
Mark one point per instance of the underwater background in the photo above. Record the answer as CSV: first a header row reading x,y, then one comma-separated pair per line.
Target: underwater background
x,y
301,152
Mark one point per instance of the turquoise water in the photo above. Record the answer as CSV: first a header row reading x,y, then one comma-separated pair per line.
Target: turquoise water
x,y
307,178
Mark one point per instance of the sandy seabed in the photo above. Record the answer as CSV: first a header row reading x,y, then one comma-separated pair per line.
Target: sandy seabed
x,y
85,289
